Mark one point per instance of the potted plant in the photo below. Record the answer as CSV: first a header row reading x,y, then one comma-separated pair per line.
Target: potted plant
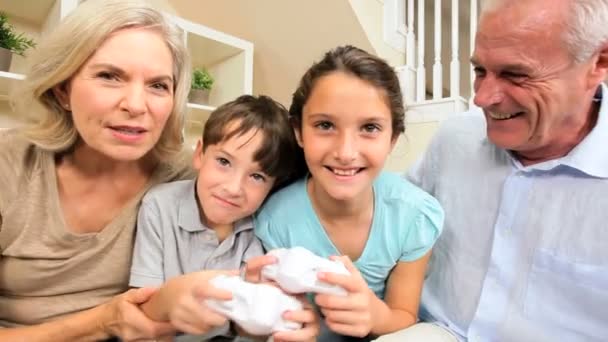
x,y
201,86
11,42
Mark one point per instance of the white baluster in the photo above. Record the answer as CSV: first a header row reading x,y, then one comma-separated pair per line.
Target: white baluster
x,y
455,64
420,71
410,50
437,68
473,30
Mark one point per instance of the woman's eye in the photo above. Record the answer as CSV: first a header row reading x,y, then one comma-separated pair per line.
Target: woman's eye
x,y
107,75
160,86
324,125
222,161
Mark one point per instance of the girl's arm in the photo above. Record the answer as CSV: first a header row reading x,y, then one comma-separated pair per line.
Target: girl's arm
x,y
402,298
119,317
361,312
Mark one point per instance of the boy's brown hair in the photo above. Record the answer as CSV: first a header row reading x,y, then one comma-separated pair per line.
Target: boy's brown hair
x,y
279,154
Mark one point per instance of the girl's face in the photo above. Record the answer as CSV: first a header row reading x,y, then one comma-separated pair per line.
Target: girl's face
x,y
121,98
346,134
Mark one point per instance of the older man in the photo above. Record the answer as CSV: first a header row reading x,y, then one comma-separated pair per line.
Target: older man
x,y
524,253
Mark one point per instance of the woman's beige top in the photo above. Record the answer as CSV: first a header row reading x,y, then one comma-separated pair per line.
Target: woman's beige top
x,y
46,271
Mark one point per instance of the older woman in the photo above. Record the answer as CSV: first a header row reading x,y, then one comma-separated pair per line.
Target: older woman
x,y
106,90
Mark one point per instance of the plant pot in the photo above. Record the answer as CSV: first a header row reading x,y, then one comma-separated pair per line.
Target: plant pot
x,y
5,59
199,96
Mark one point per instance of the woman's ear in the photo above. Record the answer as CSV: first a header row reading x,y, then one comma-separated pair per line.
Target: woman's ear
x,y
62,94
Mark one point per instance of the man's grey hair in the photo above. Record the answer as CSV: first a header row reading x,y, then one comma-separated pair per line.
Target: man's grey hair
x,y
586,23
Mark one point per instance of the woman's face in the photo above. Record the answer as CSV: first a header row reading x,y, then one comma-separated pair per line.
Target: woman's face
x,y
122,96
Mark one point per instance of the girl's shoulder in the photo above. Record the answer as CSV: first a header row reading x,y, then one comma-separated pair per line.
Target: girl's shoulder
x,y
394,186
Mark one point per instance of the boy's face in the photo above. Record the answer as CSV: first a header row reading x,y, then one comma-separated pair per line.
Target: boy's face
x,y
230,185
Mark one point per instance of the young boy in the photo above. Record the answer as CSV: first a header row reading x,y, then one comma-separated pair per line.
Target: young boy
x,y
248,150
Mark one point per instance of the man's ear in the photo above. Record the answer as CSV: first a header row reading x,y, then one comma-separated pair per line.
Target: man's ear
x,y
198,154
62,93
599,70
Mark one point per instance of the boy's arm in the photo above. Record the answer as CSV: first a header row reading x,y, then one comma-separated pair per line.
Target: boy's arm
x,y
181,301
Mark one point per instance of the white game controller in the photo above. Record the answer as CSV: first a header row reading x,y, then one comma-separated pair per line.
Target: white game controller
x,y
257,308
297,268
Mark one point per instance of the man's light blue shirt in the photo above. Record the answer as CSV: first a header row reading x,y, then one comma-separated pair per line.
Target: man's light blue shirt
x,y
524,252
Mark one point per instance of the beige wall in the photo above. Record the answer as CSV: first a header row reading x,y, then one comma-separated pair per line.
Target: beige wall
x,y
288,35
370,14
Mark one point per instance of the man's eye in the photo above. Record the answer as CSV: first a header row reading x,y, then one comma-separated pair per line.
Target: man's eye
x,y
479,72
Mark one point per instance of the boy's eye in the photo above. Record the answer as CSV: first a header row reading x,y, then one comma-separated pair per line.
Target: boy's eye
x,y
371,128
258,177
222,161
324,125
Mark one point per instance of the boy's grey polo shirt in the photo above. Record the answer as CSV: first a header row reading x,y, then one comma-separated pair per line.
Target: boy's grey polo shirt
x,y
171,239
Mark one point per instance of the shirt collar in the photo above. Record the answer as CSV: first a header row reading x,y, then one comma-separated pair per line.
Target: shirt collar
x,y
188,214
587,156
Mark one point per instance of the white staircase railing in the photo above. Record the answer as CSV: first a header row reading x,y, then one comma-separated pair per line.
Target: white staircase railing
x,y
432,102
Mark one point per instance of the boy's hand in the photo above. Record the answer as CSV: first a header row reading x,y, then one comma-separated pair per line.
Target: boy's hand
x,y
185,302
310,324
350,315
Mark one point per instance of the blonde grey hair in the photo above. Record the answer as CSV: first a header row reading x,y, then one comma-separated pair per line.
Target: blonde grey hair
x,y
61,54
586,29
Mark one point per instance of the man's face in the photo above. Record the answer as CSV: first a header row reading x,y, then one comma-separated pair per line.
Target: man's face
x,y
534,96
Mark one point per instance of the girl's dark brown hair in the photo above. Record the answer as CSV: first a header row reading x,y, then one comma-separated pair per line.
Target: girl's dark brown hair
x,y
363,65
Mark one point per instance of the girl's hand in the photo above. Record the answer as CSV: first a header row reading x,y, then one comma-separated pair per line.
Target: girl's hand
x,y
350,315
253,270
310,324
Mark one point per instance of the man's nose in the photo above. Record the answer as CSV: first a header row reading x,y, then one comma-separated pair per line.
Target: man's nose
x,y
488,92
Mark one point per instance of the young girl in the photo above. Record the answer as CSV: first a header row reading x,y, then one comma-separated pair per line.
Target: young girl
x,y
347,114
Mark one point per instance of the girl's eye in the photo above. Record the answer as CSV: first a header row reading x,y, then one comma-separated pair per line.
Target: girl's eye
x,y
324,125
258,177
371,128
222,161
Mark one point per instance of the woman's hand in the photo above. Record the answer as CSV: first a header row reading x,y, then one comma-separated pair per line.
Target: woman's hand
x,y
310,324
123,318
350,315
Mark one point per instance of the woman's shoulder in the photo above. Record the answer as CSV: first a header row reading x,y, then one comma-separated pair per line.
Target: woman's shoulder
x,y
17,154
179,167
